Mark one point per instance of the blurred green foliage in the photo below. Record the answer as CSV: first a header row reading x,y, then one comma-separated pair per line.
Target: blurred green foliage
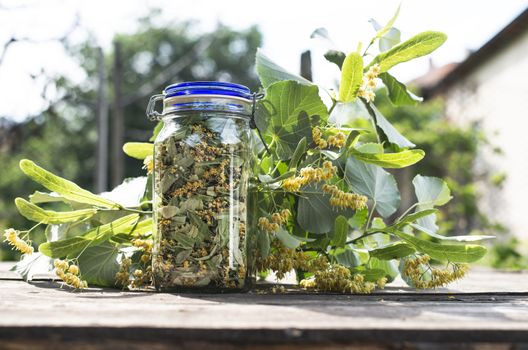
x,y
509,254
63,137
450,151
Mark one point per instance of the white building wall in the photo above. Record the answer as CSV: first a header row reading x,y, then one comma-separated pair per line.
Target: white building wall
x,y
496,94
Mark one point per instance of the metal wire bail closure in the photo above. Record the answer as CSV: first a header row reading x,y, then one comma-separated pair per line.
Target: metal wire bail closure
x,y
151,112
253,124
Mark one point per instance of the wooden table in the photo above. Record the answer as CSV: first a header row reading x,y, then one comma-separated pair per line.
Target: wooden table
x,y
486,310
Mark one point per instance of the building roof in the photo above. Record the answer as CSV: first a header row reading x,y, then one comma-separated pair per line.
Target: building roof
x,y
443,77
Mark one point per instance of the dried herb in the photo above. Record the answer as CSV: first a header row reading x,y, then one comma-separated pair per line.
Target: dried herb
x,y
200,186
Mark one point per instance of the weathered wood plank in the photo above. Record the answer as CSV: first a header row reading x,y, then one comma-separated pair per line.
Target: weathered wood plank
x,y
41,313
5,273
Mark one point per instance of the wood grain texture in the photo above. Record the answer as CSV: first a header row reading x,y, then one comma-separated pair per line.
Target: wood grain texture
x,y
43,315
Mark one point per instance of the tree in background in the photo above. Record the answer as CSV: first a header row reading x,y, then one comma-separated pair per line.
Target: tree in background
x,y
63,137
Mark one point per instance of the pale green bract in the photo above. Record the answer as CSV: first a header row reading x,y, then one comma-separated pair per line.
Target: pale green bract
x,y
35,213
351,77
420,45
460,253
390,160
138,150
93,237
63,187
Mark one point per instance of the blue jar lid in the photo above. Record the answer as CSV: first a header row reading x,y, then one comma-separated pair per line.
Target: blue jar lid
x,y
208,88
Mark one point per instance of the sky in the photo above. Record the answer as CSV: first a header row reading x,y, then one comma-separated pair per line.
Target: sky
x,y
286,27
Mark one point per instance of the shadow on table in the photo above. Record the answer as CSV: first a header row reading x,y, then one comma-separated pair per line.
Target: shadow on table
x,y
393,302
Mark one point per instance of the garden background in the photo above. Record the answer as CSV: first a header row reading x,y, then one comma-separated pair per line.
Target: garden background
x,y
75,77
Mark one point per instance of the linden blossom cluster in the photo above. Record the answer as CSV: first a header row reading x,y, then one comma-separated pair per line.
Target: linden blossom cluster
x,y
339,198
69,274
338,278
338,140
344,199
148,164
309,175
366,90
11,237
417,268
277,220
283,260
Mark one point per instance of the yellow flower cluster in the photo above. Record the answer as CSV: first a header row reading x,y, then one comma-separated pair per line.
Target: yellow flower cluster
x,y
343,199
11,236
309,175
146,245
122,277
366,90
277,219
317,136
415,268
69,274
148,163
141,278
283,259
338,140
381,283
338,278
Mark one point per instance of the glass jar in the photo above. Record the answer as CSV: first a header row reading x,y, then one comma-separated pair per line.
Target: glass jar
x,y
201,174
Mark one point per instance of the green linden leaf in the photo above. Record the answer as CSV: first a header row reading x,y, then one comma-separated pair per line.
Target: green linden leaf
x,y
269,72
398,92
287,115
351,77
375,183
348,257
389,267
431,191
314,212
33,264
63,187
391,134
369,274
336,57
138,150
99,264
359,219
287,239
35,213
